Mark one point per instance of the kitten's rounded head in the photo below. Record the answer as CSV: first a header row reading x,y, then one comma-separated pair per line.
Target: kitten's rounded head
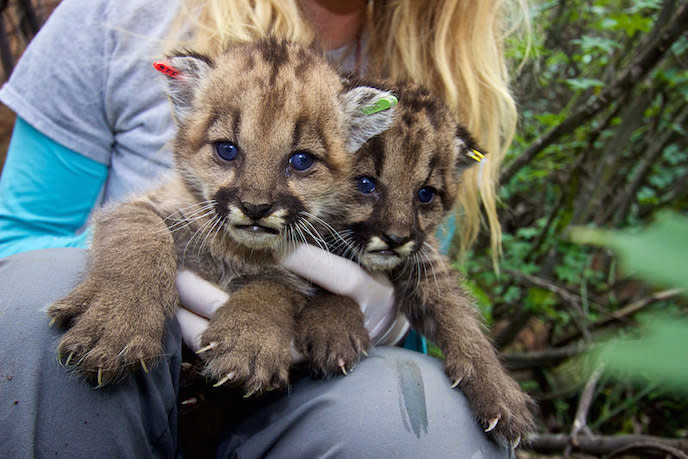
x,y
266,134
407,179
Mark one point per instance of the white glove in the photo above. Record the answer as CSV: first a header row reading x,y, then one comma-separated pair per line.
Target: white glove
x,y
375,295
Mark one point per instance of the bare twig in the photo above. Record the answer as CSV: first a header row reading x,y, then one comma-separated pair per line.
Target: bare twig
x,y
549,357
580,423
598,444
649,446
623,313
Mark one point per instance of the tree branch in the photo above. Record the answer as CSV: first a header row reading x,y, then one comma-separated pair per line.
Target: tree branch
x,y
626,81
549,357
597,444
622,313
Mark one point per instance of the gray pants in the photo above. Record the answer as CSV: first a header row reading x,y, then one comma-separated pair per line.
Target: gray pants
x,y
396,403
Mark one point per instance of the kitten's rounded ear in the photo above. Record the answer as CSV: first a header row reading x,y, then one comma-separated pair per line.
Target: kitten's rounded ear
x,y
183,73
368,111
468,152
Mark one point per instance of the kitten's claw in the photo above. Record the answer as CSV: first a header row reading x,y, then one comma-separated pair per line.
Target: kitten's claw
x,y
228,377
52,322
100,377
210,346
516,442
189,401
456,383
69,359
493,424
364,353
249,393
341,364
143,364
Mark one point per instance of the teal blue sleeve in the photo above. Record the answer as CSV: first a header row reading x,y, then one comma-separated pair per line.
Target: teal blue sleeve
x,y
47,192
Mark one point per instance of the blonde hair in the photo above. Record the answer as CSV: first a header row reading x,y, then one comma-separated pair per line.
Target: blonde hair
x,y
454,47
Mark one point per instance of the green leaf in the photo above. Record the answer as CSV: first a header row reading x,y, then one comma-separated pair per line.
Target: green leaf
x,y
659,354
658,253
584,83
589,43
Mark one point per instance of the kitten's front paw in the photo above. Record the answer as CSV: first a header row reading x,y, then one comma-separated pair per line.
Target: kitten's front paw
x,y
497,401
107,339
240,351
330,333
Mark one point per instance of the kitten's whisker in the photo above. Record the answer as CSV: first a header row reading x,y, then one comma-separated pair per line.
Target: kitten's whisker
x,y
332,230
430,261
184,223
196,233
301,238
216,219
314,233
198,205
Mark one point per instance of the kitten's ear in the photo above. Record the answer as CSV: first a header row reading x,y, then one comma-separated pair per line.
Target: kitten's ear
x,y
369,111
468,152
183,73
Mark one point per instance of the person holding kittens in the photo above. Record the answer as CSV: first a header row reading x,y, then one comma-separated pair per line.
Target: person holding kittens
x,y
94,126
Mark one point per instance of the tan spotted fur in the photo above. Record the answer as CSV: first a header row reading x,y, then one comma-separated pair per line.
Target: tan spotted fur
x,y
391,231
227,220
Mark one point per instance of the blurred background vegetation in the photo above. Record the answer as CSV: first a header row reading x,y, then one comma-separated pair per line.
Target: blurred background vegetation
x,y
602,143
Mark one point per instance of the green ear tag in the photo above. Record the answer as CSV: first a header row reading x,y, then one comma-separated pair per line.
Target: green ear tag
x,y
383,104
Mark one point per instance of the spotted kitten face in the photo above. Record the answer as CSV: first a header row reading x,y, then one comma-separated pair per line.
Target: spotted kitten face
x,y
407,180
265,135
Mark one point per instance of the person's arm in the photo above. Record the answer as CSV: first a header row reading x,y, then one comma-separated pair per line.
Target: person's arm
x,y
47,192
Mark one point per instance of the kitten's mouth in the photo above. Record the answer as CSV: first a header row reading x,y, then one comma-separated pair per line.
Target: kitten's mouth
x,y
380,260
257,229
384,253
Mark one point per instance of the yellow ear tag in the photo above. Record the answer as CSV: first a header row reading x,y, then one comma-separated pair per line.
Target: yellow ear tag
x,y
383,104
475,155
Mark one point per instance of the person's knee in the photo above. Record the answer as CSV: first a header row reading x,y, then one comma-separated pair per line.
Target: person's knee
x,y
400,403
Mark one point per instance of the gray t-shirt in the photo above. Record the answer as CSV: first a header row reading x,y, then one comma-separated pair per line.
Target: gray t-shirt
x,y
87,82
94,89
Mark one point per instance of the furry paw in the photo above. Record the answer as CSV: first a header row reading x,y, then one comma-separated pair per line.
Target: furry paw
x,y
106,341
331,335
497,401
241,351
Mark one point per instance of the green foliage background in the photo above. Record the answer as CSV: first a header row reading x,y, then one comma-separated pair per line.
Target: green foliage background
x,y
616,167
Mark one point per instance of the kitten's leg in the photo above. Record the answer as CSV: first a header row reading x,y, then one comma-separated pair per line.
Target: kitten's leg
x,y
330,333
248,340
445,313
116,316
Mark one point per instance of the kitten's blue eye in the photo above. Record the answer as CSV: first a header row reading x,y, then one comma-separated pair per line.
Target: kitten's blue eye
x,y
226,150
301,161
365,185
426,194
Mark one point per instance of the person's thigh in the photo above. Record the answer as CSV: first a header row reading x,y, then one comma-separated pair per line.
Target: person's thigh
x,y
45,410
396,403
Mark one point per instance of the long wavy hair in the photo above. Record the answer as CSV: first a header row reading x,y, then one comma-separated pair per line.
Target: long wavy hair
x,y
454,47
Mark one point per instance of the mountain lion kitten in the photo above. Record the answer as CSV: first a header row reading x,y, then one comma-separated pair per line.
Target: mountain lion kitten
x,y
408,180
263,155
